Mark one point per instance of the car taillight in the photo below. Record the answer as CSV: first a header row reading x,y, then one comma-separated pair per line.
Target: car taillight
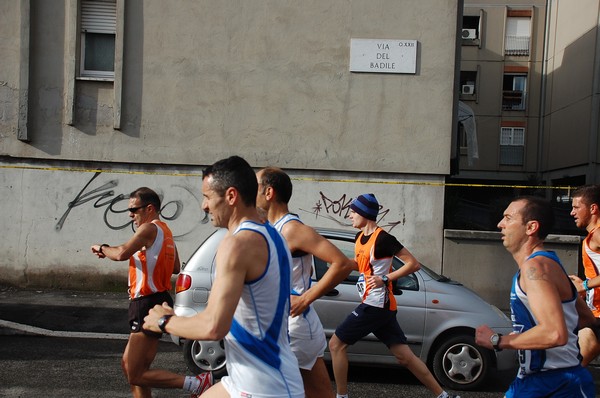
x,y
183,283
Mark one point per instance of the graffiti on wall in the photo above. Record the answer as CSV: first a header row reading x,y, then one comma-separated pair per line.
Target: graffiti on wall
x,y
338,210
106,198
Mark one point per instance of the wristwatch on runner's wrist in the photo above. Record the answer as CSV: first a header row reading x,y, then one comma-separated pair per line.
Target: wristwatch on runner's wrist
x,y
162,322
495,340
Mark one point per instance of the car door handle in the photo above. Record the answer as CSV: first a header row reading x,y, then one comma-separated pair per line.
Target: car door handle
x,y
332,293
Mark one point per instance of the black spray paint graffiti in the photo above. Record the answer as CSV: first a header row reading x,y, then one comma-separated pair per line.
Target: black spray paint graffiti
x,y
105,196
337,210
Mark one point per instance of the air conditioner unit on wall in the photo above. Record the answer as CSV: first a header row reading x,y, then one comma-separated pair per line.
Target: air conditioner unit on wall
x,y
469,34
468,89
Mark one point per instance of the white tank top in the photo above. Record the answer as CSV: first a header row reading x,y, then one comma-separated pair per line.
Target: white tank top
x,y
308,325
260,361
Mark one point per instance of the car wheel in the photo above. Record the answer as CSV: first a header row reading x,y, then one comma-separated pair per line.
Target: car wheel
x,y
205,356
460,364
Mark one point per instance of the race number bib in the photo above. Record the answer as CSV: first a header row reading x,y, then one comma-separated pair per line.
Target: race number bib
x,y
361,285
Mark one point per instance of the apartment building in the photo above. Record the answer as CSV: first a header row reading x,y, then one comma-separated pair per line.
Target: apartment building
x,y
529,70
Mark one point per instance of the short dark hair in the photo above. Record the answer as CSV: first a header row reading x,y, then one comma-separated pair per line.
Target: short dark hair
x,y
590,194
277,179
234,172
147,196
540,210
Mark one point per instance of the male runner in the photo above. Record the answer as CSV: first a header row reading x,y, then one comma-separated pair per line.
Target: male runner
x,y
249,301
545,308
306,332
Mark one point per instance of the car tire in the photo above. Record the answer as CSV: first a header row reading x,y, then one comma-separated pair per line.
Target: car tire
x,y
205,356
460,364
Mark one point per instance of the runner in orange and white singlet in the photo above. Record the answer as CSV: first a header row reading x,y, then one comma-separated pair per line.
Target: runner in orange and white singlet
x,y
370,265
150,269
374,250
591,260
153,258
586,213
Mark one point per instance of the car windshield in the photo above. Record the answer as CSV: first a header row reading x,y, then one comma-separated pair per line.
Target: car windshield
x,y
434,275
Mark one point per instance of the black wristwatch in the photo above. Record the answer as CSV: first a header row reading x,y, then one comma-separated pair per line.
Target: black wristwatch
x,y
385,279
162,322
495,340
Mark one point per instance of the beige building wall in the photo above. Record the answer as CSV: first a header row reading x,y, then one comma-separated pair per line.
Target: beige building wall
x,y
269,80
198,80
571,99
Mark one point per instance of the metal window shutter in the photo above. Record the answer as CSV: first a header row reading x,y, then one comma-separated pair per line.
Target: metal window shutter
x,y
98,16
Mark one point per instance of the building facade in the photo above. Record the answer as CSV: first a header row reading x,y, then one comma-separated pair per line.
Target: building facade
x,y
101,97
530,75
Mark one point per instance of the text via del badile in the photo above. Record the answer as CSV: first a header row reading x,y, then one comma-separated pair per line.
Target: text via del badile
x,y
382,65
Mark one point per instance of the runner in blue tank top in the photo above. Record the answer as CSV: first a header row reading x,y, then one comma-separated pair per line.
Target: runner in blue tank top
x,y
545,308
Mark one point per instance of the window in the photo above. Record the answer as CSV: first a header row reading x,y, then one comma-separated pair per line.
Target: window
x,y
471,31
512,146
513,91
98,30
518,32
468,84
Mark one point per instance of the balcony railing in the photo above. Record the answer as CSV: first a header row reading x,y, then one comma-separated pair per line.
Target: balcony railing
x,y
513,100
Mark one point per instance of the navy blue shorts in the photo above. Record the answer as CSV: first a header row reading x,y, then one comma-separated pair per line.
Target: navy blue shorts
x,y
367,319
139,308
560,383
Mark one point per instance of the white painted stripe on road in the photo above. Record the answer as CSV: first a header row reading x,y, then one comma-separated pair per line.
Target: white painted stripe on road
x,y
56,333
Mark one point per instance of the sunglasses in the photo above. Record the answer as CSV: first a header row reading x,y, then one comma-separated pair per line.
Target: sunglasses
x,y
134,209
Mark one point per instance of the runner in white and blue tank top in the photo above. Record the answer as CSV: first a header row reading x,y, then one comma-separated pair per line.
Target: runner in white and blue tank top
x,y
257,347
307,336
555,368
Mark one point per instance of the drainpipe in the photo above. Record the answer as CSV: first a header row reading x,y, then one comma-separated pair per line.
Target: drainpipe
x,y
543,84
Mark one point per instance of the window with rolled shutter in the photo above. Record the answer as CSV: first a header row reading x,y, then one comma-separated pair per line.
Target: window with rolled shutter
x,y
518,32
98,30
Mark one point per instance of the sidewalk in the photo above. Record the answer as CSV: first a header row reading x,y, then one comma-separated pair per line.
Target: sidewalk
x,y
56,312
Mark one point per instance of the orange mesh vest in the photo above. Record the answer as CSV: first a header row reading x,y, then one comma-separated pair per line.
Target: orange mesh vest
x,y
368,265
150,269
591,259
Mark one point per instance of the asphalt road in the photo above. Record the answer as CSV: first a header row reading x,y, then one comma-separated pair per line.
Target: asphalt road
x,y
77,367
69,344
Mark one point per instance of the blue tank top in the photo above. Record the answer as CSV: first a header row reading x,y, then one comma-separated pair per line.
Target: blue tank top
x,y
532,361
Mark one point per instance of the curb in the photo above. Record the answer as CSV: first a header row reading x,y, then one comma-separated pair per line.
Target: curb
x,y
13,328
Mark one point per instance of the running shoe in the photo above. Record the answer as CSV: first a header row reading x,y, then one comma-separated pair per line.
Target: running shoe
x,y
206,381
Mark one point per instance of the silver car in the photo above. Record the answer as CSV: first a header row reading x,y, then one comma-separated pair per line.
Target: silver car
x,y
438,316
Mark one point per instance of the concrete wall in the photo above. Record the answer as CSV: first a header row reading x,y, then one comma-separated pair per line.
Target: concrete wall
x,y
479,261
268,80
197,81
53,212
573,83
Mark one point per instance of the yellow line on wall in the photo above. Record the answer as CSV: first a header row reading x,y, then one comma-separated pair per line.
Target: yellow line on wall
x,y
310,179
